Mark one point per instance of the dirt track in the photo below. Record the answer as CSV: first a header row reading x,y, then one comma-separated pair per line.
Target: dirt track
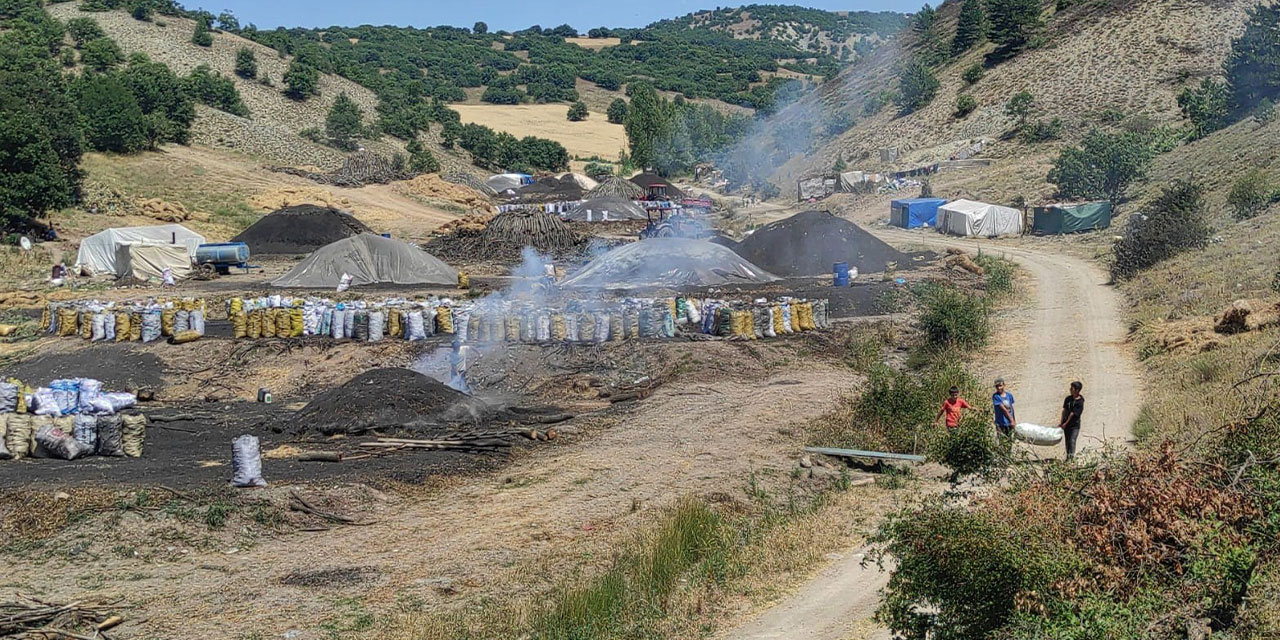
x,y
1072,330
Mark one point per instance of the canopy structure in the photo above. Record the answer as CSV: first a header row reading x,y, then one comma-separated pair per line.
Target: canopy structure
x,y
148,261
98,252
369,259
1071,217
971,218
504,181
913,213
667,263
607,209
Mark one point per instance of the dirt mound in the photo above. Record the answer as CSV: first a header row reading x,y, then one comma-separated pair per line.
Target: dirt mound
x,y
1247,315
808,243
384,399
290,196
299,229
429,185
668,263
168,211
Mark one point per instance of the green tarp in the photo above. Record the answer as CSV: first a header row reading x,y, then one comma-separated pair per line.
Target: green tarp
x,y
1071,218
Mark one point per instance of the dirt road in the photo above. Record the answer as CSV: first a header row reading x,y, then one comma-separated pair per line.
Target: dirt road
x,y
1070,330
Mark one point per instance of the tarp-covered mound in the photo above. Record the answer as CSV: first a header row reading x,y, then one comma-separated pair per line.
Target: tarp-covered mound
x,y
972,218
607,209
299,229
369,259
669,263
810,242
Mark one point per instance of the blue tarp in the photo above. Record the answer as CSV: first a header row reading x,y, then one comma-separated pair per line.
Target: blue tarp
x,y
915,212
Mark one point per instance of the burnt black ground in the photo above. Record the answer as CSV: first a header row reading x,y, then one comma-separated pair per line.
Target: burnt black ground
x,y
119,369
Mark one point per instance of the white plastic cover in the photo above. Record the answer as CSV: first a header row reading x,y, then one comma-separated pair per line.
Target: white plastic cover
x,y
970,218
97,253
148,261
1037,434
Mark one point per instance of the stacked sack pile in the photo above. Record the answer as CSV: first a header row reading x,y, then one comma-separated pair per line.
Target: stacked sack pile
x,y
180,320
370,321
764,319
68,419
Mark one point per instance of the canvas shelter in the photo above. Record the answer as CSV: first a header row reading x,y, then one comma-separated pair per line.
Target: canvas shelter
x,y
913,213
98,253
369,259
972,218
503,181
1071,217
607,209
148,261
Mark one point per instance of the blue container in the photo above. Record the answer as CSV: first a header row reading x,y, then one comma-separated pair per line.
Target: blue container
x,y
222,252
840,272
386,235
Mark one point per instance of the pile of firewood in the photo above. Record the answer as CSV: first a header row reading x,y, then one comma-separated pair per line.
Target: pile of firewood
x,y
28,617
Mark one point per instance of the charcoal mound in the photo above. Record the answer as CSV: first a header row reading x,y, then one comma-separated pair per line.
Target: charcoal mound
x,y
808,243
386,399
299,229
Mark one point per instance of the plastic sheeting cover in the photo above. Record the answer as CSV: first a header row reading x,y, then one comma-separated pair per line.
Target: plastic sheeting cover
x,y
369,259
607,209
667,262
970,218
98,252
148,261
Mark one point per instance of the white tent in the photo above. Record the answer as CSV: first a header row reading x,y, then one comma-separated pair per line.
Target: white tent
x,y
98,252
970,218
148,261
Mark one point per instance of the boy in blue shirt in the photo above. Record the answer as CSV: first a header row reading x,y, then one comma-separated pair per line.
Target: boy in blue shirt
x,y
1005,416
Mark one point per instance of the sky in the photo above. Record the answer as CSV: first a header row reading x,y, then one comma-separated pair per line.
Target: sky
x,y
510,15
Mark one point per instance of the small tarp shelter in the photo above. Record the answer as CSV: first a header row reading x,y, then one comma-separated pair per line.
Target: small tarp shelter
x,y
607,209
913,213
369,259
98,252
1071,217
972,218
504,181
148,261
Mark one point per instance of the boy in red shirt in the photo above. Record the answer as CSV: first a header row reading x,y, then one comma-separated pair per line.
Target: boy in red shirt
x,y
951,408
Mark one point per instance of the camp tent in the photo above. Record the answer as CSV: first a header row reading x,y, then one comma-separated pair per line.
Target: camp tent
x,y
1071,217
98,252
369,259
607,209
148,261
913,213
504,181
971,218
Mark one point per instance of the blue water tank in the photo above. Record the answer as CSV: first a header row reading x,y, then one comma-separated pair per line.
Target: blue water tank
x,y
840,273
222,252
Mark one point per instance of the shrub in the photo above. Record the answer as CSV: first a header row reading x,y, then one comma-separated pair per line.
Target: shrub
x,y
1206,106
916,87
313,134
112,118
1265,112
968,449
595,168
201,35
578,112
1252,69
1250,194
101,54
1174,222
1103,165
1041,130
246,63
208,87
617,113
83,30
1012,23
1019,107
67,57
974,73
965,104
302,80
1275,282
421,160
343,123
999,274
951,317
500,95
141,10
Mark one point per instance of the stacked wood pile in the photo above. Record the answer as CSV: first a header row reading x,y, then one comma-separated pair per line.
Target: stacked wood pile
x,y
544,232
359,169
28,617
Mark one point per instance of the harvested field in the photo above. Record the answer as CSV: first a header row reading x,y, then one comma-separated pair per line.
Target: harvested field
x,y
808,243
591,137
299,229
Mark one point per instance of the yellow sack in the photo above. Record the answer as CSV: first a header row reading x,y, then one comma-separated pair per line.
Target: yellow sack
x,y
239,325
268,323
187,304
17,437
475,328
67,319
237,306
22,394
586,328
122,326
46,316
464,280
284,323
810,324
167,317
775,318
558,329
444,320
296,321
615,327
133,433
183,337
393,323
255,324
86,325
135,326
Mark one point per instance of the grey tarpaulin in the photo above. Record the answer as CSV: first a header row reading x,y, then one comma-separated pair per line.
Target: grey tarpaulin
x,y
369,259
667,262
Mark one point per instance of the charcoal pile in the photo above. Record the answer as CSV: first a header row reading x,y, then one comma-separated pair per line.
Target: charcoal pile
x,y
616,187
359,169
299,229
385,399
808,243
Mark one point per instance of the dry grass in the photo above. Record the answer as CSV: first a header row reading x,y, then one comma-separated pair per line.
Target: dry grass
x,y
591,137
594,43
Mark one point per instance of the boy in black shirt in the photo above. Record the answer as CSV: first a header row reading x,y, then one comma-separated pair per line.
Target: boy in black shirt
x,y
1072,407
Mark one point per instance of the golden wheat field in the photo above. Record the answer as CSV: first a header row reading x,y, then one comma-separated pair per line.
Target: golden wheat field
x,y
591,137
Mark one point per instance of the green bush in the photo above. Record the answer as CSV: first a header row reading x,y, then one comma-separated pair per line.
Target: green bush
x,y
142,10
344,122
965,104
969,449
973,73
598,169
302,80
84,30
498,95
1207,106
208,87
617,113
161,96
951,317
578,112
112,118
101,54
1103,165
1250,195
201,35
67,57
421,160
246,63
1275,282
1174,222
916,87
1041,130
999,274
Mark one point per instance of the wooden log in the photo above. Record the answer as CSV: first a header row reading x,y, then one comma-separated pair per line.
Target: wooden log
x,y
113,621
321,456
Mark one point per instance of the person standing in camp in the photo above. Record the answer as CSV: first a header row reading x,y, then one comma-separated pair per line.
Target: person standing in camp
x,y
1072,407
1006,417
951,408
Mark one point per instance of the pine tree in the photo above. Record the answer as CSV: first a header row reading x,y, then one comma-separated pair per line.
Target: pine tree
x,y
343,124
246,63
970,27
617,113
1012,22
916,87
1253,67
201,35
578,112
421,160
302,79
648,119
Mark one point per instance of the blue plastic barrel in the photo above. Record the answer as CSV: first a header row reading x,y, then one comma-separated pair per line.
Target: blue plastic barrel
x,y
222,252
840,271
386,235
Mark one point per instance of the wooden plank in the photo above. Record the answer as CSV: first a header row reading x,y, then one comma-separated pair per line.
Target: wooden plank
x,y
854,453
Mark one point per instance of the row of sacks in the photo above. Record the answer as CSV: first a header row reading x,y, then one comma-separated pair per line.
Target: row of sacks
x,y
63,397
72,436
139,321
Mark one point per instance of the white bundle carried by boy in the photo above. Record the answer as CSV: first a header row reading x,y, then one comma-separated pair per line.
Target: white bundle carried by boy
x,y
1037,434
